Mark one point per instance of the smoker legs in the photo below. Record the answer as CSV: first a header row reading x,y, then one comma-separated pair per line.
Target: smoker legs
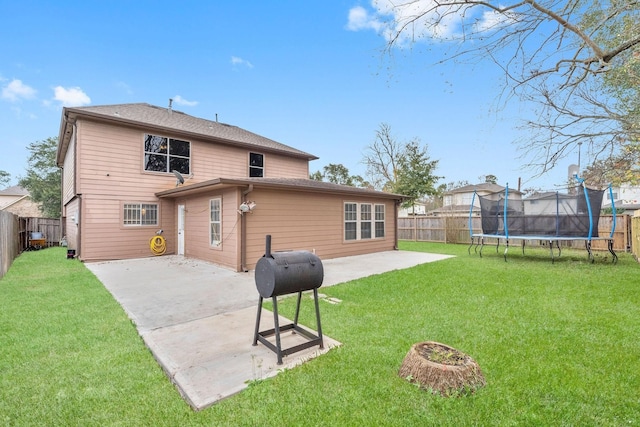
x,y
312,339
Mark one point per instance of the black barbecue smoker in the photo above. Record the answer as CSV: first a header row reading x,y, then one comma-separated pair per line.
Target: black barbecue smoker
x,y
282,273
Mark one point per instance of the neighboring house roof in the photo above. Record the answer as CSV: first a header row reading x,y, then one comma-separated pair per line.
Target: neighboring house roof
x,y
485,186
278,183
449,209
16,190
172,121
548,195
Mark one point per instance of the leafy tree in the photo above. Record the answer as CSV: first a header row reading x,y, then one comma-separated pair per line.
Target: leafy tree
x,y
5,178
623,167
339,174
415,177
316,176
576,62
43,179
400,168
490,179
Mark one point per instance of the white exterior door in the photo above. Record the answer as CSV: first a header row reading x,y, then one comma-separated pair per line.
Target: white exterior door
x,y
181,229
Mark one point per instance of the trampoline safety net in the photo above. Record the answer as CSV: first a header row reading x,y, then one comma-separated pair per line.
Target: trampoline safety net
x,y
549,214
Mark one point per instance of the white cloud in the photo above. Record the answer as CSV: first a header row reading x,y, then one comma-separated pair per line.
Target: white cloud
x,y
181,101
360,19
235,60
17,90
412,21
71,97
492,20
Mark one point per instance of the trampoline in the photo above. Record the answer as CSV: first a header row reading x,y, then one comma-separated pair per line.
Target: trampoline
x,y
551,217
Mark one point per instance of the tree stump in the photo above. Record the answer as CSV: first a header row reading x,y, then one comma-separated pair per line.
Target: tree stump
x,y
441,369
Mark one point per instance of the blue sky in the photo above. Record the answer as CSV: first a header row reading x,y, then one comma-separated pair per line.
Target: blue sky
x,y
309,74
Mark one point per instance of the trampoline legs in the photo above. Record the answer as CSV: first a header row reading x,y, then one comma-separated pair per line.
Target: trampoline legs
x,y
587,243
505,250
610,247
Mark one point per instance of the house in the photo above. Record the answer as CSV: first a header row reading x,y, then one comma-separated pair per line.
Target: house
x,y
215,190
626,198
458,201
419,208
17,200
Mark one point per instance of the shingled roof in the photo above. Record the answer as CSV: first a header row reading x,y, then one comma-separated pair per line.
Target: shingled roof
x,y
308,185
170,120
485,186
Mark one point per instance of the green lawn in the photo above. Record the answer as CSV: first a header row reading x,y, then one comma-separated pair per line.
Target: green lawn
x,y
558,345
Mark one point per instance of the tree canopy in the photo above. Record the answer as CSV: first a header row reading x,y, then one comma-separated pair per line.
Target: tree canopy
x,y
575,62
402,168
43,176
5,178
339,174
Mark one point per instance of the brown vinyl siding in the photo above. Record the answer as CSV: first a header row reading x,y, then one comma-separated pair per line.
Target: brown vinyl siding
x,y
196,234
69,172
104,236
69,212
309,221
105,154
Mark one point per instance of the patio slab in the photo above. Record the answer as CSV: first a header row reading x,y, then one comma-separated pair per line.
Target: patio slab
x,y
198,319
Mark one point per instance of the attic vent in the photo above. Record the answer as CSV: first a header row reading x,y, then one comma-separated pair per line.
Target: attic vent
x,y
116,114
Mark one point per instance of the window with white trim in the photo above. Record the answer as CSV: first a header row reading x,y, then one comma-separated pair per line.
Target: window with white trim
x,y
350,221
363,221
215,222
140,214
379,221
256,165
162,154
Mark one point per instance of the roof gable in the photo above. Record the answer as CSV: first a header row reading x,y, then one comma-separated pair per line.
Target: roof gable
x,y
169,120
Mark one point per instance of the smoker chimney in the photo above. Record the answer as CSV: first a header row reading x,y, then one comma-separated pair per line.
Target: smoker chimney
x,y
170,103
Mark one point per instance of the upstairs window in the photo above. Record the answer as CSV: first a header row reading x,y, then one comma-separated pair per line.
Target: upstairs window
x,y
256,165
162,154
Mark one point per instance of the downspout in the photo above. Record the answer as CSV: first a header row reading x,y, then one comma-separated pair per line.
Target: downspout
x,y
243,232
395,221
79,229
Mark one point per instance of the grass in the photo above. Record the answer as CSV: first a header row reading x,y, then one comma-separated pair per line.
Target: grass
x,y
557,343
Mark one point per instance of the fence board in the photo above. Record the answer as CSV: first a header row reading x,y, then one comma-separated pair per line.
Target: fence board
x,y
455,229
635,237
9,242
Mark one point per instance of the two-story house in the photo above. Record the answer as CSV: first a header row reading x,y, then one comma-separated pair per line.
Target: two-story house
x,y
214,189
458,200
626,197
17,200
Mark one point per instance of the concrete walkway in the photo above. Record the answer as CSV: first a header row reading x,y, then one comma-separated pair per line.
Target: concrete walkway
x,y
198,319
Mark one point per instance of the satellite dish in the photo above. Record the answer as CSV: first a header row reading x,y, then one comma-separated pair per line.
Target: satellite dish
x,y
179,178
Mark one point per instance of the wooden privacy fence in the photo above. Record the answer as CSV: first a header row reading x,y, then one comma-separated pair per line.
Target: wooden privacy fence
x,y
49,227
455,229
15,233
9,241
635,237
